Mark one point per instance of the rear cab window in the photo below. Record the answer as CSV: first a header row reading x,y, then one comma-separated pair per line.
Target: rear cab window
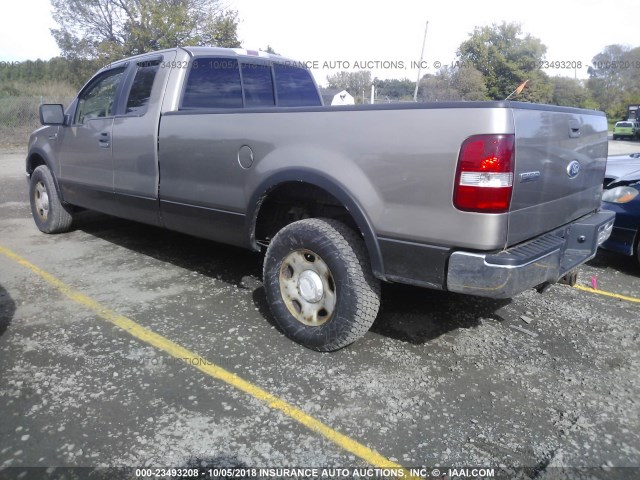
x,y
215,83
257,84
295,87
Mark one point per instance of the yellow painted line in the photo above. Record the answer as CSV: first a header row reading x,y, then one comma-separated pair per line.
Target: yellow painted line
x,y
162,343
607,294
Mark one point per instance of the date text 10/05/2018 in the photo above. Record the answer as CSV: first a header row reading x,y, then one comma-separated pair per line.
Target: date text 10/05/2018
x,y
264,473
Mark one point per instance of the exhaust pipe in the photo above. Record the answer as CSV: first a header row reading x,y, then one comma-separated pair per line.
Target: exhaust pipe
x,y
570,279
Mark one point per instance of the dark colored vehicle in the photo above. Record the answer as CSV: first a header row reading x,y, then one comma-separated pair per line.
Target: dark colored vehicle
x,y
622,196
619,166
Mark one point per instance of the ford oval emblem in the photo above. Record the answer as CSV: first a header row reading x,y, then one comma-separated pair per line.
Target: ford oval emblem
x,y
573,169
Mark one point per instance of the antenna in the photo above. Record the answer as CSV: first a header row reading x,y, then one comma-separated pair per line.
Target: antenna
x,y
424,41
518,90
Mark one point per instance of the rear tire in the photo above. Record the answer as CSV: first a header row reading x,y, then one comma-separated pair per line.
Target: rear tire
x,y
319,284
50,215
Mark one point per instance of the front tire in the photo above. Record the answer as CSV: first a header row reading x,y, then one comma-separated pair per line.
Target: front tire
x,y
319,284
48,212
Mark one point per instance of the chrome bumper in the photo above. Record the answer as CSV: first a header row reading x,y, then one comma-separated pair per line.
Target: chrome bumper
x,y
544,259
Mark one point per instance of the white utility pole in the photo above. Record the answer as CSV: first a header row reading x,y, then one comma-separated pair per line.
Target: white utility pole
x,y
424,41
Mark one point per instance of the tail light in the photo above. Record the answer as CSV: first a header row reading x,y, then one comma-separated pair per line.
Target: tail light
x,y
484,178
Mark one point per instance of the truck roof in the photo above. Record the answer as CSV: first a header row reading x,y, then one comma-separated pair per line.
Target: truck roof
x,y
215,51
235,52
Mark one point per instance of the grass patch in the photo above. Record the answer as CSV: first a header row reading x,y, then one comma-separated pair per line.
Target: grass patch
x,y
19,103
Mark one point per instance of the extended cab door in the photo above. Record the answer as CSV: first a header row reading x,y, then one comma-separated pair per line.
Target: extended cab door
x,y
135,133
86,170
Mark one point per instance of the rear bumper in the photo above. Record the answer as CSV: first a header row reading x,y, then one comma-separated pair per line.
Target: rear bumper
x,y
544,259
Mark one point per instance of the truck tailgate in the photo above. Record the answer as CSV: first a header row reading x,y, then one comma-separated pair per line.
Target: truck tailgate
x,y
560,160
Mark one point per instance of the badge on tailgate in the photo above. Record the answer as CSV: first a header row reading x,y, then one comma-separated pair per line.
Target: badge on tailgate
x,y
529,176
573,169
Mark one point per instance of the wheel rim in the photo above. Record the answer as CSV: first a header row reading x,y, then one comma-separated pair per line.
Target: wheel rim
x,y
307,287
41,200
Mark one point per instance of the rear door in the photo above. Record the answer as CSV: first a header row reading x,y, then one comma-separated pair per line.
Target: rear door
x,y
135,134
561,155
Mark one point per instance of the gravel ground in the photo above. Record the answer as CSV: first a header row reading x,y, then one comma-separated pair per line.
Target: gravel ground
x,y
538,381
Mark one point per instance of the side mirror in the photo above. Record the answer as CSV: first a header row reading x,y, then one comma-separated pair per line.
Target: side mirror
x,y
51,114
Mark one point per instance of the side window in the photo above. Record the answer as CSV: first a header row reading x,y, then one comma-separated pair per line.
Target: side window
x,y
141,88
99,99
258,85
213,83
295,87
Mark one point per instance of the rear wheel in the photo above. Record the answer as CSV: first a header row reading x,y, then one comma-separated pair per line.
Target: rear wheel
x,y
50,215
319,284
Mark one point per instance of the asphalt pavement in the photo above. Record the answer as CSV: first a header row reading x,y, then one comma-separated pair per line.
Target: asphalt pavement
x,y
201,376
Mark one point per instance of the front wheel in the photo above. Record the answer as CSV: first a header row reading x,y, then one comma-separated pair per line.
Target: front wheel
x,y
50,215
319,284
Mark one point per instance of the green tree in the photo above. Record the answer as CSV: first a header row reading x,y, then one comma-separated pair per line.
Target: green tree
x,y
469,83
36,72
570,92
506,57
353,82
453,83
438,87
538,89
614,79
224,30
106,30
394,89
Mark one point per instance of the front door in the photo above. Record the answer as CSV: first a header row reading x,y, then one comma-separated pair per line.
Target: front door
x,y
86,169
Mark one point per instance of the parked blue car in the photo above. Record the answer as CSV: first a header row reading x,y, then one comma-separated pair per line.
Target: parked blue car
x,y
619,166
622,195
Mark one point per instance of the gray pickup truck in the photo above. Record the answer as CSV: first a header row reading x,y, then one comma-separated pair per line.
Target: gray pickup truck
x,y
482,198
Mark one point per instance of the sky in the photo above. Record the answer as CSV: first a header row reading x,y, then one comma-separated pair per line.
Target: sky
x,y
333,35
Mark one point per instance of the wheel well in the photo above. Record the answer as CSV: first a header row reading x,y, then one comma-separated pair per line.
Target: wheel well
x,y
293,201
34,162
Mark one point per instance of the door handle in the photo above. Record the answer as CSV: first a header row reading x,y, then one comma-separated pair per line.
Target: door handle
x,y
574,129
105,140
